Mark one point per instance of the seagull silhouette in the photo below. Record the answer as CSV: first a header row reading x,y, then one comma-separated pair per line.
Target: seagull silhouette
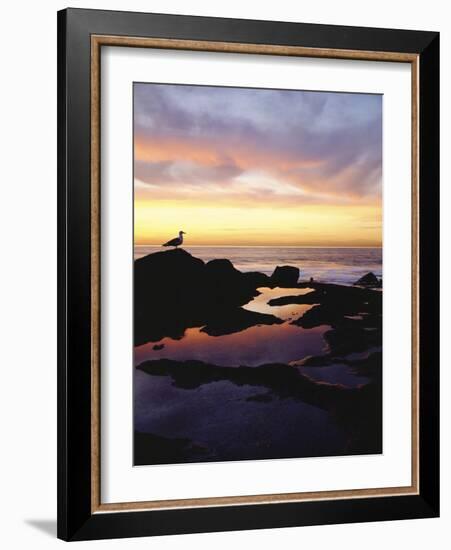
x,y
177,241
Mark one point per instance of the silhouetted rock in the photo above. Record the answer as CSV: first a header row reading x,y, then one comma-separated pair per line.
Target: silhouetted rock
x,y
238,319
153,449
354,315
261,397
167,286
346,298
344,340
174,291
369,280
257,280
222,267
226,285
369,366
285,276
283,380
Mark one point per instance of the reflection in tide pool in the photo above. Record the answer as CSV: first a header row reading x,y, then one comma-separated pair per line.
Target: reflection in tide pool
x,y
254,346
338,373
224,420
288,312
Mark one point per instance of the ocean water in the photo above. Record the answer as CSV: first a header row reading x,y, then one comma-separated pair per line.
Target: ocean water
x,y
332,265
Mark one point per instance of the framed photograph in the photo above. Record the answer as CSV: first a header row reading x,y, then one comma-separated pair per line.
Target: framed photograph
x,y
248,274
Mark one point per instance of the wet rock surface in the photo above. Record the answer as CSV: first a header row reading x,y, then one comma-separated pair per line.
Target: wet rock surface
x,y
369,280
260,409
237,319
150,448
285,276
174,291
356,410
355,315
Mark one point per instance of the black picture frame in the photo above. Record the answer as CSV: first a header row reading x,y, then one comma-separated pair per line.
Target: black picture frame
x,y
76,521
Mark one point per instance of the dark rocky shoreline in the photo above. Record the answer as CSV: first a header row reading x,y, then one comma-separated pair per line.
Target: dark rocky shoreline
x,y
354,315
175,291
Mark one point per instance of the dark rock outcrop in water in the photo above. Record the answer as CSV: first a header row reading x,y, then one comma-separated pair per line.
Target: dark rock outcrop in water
x,y
354,314
285,276
257,279
369,280
344,299
174,291
235,320
153,449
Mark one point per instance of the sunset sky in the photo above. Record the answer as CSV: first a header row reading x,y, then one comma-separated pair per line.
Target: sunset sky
x,y
241,166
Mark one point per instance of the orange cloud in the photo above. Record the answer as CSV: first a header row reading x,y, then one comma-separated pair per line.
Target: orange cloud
x,y
279,167
244,154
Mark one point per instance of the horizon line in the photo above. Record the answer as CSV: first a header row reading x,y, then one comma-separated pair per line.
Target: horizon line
x,y
258,246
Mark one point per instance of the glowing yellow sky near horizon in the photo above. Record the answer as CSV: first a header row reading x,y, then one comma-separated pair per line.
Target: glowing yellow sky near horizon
x,y
293,225
238,166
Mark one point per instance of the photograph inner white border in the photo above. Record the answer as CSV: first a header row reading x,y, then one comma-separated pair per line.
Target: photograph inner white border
x,y
120,481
